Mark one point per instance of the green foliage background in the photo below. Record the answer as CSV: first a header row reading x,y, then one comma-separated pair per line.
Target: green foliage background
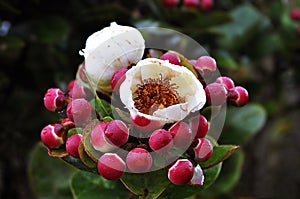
x,y
254,42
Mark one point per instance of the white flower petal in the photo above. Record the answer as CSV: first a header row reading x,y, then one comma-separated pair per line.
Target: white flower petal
x,y
187,86
110,49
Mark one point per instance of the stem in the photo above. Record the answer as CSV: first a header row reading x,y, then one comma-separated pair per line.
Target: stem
x,y
97,99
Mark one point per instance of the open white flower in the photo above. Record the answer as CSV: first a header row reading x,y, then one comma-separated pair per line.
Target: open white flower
x,y
161,91
110,49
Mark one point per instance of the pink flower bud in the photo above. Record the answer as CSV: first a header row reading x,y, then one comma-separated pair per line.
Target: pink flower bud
x,y
99,140
206,4
206,65
139,160
75,90
72,145
79,111
181,172
111,166
173,59
170,3
199,125
161,140
53,136
216,94
238,96
143,124
226,82
117,78
191,3
117,132
54,99
202,149
182,134
295,14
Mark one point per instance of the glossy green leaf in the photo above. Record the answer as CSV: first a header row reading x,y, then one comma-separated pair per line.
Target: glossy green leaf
x,y
220,153
243,123
92,186
149,185
246,20
183,191
49,176
229,176
86,139
85,158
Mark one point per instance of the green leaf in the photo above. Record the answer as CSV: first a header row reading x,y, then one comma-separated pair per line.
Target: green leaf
x,y
220,153
229,176
92,186
183,191
149,185
243,123
86,139
246,20
85,158
48,176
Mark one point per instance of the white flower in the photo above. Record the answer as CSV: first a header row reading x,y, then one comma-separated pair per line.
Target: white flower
x,y
110,49
161,91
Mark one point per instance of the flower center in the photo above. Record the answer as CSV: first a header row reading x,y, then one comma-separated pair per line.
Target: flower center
x,y
154,94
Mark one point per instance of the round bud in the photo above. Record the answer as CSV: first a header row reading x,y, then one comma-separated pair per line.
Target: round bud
x,y
173,59
143,124
202,149
226,82
117,78
54,99
206,65
170,3
182,134
181,172
139,160
295,14
199,125
216,94
191,3
99,140
75,90
79,111
206,4
161,140
53,136
110,166
238,96
72,145
117,132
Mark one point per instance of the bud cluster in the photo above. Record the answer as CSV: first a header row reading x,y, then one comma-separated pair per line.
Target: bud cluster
x,y
138,144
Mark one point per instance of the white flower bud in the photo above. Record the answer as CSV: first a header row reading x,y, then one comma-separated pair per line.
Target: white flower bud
x,y
110,49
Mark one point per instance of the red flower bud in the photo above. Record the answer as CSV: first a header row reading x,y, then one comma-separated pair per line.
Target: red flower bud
x,y
238,96
216,94
173,59
55,99
79,111
182,134
199,125
181,172
139,160
72,145
117,78
53,135
111,166
160,140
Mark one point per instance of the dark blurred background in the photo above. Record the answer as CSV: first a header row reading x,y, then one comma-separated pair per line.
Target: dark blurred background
x,y
256,43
